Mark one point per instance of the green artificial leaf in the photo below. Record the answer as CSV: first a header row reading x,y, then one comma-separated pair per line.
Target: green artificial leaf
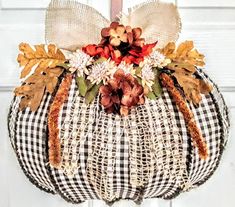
x,y
139,80
82,86
156,72
138,71
89,85
157,89
151,95
64,65
100,60
92,93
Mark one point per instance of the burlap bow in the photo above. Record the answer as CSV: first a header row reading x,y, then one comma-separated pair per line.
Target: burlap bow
x,y
71,25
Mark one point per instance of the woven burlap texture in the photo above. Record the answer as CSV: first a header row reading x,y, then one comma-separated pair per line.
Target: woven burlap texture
x,y
71,25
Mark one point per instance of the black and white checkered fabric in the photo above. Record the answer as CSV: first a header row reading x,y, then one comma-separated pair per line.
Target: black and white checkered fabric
x,y
29,138
28,132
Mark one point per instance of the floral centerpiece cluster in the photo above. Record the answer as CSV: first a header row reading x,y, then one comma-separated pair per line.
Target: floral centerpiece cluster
x,y
122,69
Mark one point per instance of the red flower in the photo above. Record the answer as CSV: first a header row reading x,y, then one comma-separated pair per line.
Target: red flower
x,y
121,43
121,93
137,54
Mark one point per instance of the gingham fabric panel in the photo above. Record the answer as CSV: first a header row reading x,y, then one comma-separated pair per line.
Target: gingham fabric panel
x,y
31,144
79,188
166,181
86,122
219,101
101,167
73,189
207,116
12,116
179,119
212,119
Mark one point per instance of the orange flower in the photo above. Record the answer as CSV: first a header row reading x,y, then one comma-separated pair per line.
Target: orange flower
x,y
118,35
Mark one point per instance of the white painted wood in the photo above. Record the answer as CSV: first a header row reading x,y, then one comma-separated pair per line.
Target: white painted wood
x,y
230,100
217,43
29,4
10,37
21,17
206,3
207,16
42,4
130,3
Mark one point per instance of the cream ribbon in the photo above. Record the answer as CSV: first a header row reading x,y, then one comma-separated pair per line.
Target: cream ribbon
x,y
71,25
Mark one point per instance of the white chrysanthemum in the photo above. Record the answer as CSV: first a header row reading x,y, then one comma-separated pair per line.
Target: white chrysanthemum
x,y
127,68
102,72
147,75
78,61
156,59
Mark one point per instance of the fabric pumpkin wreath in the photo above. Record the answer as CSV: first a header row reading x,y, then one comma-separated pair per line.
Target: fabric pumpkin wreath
x,y
120,117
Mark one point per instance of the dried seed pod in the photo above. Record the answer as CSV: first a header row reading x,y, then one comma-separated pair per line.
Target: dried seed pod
x,y
54,142
193,129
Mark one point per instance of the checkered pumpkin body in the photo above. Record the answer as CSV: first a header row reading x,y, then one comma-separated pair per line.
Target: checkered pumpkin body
x,y
144,155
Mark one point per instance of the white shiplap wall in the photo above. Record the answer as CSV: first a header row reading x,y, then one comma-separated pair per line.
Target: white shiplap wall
x,y
211,23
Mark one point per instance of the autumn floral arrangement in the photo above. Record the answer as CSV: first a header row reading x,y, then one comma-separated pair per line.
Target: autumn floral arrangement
x,y
122,70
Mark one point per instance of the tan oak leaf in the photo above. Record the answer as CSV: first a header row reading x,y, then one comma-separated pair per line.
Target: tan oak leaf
x,y
34,87
183,57
40,56
192,87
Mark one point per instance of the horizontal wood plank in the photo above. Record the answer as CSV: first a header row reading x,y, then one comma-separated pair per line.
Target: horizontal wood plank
x,y
21,17
26,5
129,4
217,43
32,4
207,15
206,3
